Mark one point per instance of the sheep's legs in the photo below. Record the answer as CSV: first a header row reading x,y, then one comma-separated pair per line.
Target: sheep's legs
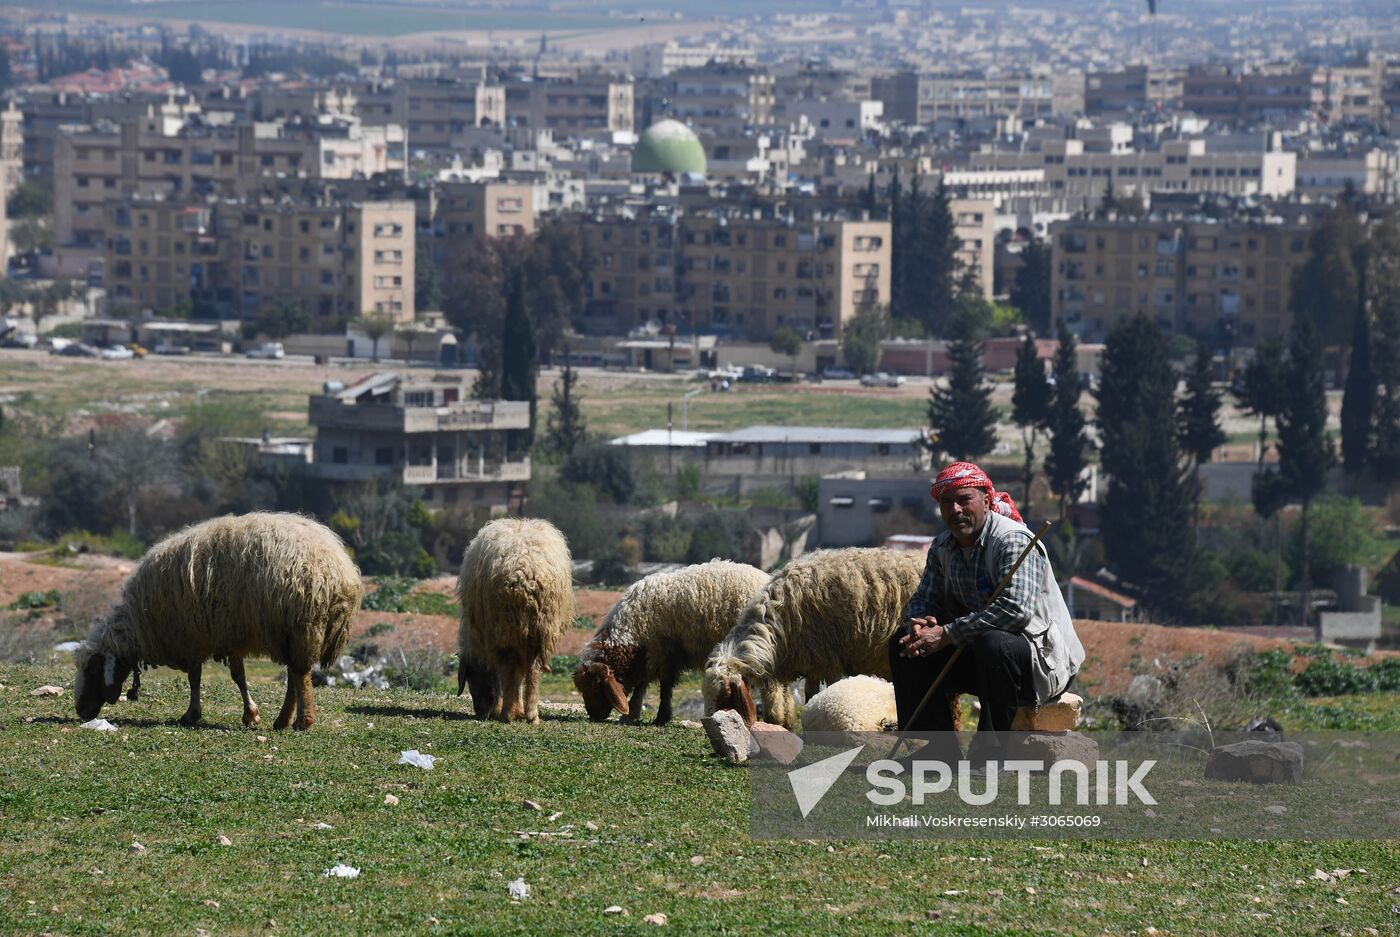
x,y
509,674
251,716
532,690
810,689
668,684
284,718
191,716
306,703
634,704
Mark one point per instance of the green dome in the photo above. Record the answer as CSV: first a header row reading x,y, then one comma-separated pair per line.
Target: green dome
x,y
668,146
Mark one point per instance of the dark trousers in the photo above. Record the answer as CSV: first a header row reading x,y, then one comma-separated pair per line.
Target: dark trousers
x,y
995,667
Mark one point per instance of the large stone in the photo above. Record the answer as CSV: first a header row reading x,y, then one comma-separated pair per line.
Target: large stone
x,y
776,743
1059,716
729,737
1050,747
1258,762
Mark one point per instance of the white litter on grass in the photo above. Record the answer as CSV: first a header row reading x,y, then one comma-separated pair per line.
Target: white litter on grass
x,y
519,891
322,826
100,725
340,870
67,646
416,758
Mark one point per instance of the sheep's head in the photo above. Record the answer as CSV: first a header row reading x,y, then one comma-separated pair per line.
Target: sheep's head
x,y
725,689
481,681
99,680
601,692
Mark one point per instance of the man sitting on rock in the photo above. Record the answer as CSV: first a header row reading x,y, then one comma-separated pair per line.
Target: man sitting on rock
x,y
1018,650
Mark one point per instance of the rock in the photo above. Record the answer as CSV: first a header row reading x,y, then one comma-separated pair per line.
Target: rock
x,y
658,919
1276,809
1145,689
47,690
136,849
1059,716
1258,762
389,801
518,889
688,724
615,909
531,805
729,737
776,743
590,825
697,860
209,903
1050,747
223,840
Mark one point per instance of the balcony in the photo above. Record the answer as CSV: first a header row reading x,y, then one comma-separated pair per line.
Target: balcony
x,y
494,471
331,412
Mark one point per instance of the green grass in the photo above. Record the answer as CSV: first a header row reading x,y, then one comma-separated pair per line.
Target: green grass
x,y
73,801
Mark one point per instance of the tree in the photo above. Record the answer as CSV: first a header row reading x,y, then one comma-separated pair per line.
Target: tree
x,y
375,325
1030,407
31,237
284,317
786,341
1326,286
1263,388
961,416
427,285
1069,442
29,200
1304,446
1146,512
1198,421
519,357
1030,293
409,333
1359,397
133,462
861,336
565,428
1383,281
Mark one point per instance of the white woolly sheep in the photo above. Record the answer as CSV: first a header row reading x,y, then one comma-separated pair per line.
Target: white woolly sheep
x,y
662,626
824,616
275,585
854,704
517,599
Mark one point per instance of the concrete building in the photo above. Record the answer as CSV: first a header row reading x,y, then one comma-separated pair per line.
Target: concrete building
x,y
762,456
1137,89
719,99
1374,172
11,146
447,448
840,120
913,98
1225,282
589,106
435,112
1231,96
658,59
233,258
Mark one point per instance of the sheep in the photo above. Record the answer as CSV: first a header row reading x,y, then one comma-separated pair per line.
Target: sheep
x,y
279,585
516,595
854,704
826,615
662,626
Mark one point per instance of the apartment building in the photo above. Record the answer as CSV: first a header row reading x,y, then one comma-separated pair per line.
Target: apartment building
x,y
11,147
445,447
913,98
466,211
232,258
1225,282
1137,89
658,59
974,225
45,112
1228,95
721,100
740,276
585,106
97,165
839,120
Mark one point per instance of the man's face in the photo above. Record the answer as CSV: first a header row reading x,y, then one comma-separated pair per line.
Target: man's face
x,y
964,510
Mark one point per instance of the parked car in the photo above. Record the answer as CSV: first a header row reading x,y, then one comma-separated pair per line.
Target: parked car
x,y
19,340
881,379
838,374
266,350
117,353
757,373
78,350
171,348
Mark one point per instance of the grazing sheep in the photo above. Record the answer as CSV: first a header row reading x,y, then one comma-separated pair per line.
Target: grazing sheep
x,y
826,615
855,704
517,599
662,626
275,585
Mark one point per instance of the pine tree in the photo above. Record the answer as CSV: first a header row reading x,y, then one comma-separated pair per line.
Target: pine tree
x,y
1146,512
1304,446
1383,281
1359,397
1030,292
1326,287
565,428
1198,421
519,357
937,265
961,415
1263,381
1069,441
1030,408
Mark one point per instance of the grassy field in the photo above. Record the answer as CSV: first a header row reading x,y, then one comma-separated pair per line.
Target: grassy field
x,y
634,808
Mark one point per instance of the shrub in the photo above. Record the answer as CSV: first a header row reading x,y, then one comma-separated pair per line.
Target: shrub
x,y
419,668
716,535
1327,676
609,569
1263,675
1253,570
606,468
667,539
390,594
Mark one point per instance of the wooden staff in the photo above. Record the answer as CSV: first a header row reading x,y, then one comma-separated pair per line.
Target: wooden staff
x,y
957,652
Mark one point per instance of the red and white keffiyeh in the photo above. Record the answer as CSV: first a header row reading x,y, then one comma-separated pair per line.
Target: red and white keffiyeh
x,y
970,475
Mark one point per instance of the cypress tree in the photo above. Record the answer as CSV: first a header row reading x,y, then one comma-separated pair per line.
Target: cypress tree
x,y
1262,394
1030,293
1198,420
1146,512
1030,408
519,358
1069,441
1358,398
1383,280
565,427
961,414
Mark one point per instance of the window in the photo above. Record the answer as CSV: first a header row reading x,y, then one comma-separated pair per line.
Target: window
x,y
384,455
340,455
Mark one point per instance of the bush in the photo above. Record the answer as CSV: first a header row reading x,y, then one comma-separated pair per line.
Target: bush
x,y
1262,675
609,569
117,543
667,539
419,668
1326,676
716,535
606,468
574,510
27,600
389,595
1253,570
1340,533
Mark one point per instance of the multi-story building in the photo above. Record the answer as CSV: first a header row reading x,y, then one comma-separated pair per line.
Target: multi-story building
x,y
840,119
98,165
11,147
1137,89
45,112
928,99
658,59
1224,94
443,446
1225,282
1374,172
235,257
719,99
735,275
974,225
585,106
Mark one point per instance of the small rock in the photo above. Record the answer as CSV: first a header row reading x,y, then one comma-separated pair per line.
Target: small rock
x,y
1059,716
262,738
47,690
95,871
615,909
776,743
518,890
390,800
223,840
1342,901
1052,747
341,870
327,826
270,923
531,805
136,849
933,915
689,724
1144,862
1030,889
658,919
729,737
590,825
1258,762
554,816
697,860
1277,810
209,903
